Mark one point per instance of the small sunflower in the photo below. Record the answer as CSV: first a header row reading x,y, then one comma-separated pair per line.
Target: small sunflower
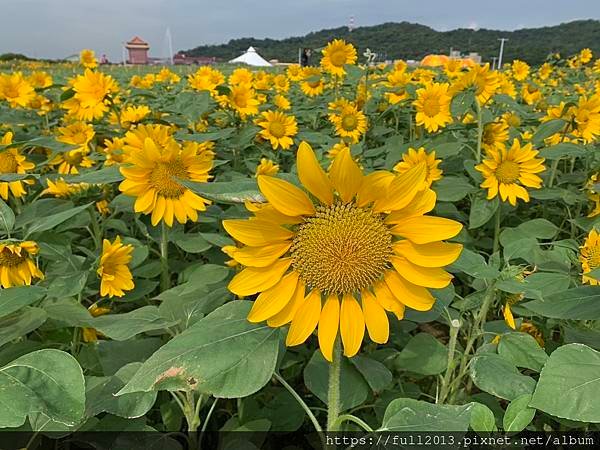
x,y
87,58
278,128
242,98
206,79
92,95
113,271
312,81
485,81
16,90
413,158
589,256
433,107
152,179
337,54
61,189
266,167
11,161
509,172
281,102
17,268
339,255
495,135
520,70
131,115
350,123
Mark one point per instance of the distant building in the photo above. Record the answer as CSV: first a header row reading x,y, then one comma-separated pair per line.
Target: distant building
x,y
138,51
182,59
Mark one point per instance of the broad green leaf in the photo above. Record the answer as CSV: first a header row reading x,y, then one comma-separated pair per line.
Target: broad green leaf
x,y
406,414
462,103
227,191
563,149
46,381
482,418
569,384
538,228
223,354
498,376
49,222
192,243
547,129
518,414
523,350
473,264
354,390
482,210
423,354
21,323
113,355
375,373
7,218
17,297
453,189
581,303
106,175
121,327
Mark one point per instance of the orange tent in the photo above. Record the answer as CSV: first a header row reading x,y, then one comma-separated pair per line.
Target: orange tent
x,y
434,60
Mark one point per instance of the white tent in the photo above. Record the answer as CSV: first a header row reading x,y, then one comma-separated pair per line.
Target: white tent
x,y
251,58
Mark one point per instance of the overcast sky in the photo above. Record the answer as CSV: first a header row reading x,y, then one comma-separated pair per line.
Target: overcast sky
x,y
59,28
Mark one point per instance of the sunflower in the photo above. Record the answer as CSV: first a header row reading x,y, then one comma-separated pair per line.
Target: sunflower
x,y
433,107
17,268
397,81
115,276
545,71
113,149
40,79
16,90
241,75
530,93
91,334
413,158
509,172
484,80
278,129
312,81
61,189
11,161
337,54
281,83
587,118
281,102
152,179
585,56
88,59
495,135
69,162
360,244
131,115
294,72
161,135
520,70
453,68
350,123
266,167
589,256
91,97
242,98
206,79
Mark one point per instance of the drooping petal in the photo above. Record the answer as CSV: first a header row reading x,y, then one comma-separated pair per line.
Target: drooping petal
x,y
431,277
402,189
274,299
352,325
426,229
422,204
375,318
261,256
257,279
312,176
329,323
345,175
413,296
374,187
305,320
256,232
434,254
285,197
287,313
387,300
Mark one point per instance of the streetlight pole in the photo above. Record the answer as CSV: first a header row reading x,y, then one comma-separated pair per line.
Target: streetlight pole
x,y
502,41
494,59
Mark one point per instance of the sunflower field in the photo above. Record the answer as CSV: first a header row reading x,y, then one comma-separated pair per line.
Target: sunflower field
x,y
343,247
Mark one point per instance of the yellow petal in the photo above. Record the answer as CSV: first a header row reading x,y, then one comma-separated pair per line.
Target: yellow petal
x,y
415,297
312,176
434,254
426,229
375,318
256,232
261,256
285,197
345,175
287,313
402,189
257,279
305,320
387,300
431,277
273,300
508,317
352,325
374,187
421,204
329,323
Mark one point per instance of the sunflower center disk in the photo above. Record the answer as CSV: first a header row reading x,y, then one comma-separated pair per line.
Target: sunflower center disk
x,y
507,172
10,259
341,249
163,178
349,122
8,163
338,58
277,129
431,106
593,257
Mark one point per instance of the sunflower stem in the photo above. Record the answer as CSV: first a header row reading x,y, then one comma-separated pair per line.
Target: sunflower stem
x,y
164,257
553,169
497,231
333,392
445,390
479,129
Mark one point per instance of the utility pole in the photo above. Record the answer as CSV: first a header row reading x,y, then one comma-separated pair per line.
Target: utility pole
x,y
494,59
502,41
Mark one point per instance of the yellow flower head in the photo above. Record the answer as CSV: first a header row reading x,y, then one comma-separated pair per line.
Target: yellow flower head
x,y
520,70
350,123
589,256
88,59
585,56
206,79
341,252
113,149
11,161
133,114
92,95
241,75
266,167
587,117
509,171
153,178
294,72
113,270
413,158
281,83
278,129
397,81
61,189
40,79
482,79
312,81
337,54
16,90
495,135
242,98
433,107
281,102
17,267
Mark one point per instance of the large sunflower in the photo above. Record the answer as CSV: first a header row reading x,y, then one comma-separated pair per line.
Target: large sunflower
x,y
336,55
433,107
11,161
360,244
509,171
152,179
278,128
17,268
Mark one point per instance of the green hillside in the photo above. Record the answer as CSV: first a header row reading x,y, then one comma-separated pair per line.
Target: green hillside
x,y
413,41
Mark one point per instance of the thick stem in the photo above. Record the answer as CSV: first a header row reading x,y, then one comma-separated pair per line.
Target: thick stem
x,y
191,412
350,418
479,129
454,327
333,393
164,258
497,231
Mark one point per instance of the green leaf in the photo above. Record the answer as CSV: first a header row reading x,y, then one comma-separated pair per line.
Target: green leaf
x,y
375,373
45,223
19,324
227,191
462,103
47,381
563,149
192,243
121,327
17,297
518,414
452,189
581,303
423,354
100,395
406,414
482,418
354,390
569,384
538,228
498,376
223,354
482,210
547,129
522,350
473,264
106,175
7,217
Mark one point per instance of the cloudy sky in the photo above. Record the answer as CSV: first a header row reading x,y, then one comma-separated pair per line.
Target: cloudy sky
x,y
59,28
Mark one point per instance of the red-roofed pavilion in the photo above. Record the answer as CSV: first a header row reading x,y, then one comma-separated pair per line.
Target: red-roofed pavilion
x,y
138,51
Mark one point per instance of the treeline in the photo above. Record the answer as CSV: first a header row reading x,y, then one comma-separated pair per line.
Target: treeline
x,y
413,41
